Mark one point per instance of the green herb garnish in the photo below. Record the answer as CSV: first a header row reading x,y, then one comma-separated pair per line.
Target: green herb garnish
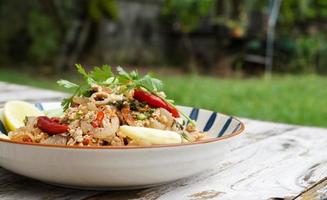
x,y
98,76
134,80
103,76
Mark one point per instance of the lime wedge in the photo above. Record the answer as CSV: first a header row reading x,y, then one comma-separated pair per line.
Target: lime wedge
x,y
15,112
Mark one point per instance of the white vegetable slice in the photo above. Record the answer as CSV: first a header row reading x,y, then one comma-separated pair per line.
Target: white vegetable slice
x,y
3,136
150,135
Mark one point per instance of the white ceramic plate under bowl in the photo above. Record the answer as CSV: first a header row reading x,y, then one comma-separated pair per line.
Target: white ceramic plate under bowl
x,y
123,167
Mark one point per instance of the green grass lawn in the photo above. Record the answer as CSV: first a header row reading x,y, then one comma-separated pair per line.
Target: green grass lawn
x,y
294,99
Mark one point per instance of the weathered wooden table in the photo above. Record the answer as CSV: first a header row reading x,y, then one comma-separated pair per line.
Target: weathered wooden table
x,y
273,161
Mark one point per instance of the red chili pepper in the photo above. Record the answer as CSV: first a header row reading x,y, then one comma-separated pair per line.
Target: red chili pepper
x,y
172,110
154,101
55,119
98,120
51,126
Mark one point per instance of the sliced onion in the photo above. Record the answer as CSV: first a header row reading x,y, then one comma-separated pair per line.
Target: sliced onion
x,y
169,117
115,122
100,95
86,127
91,106
103,133
157,125
109,129
116,97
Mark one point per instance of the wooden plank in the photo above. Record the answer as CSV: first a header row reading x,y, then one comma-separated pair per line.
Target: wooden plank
x,y
30,94
13,187
273,161
317,191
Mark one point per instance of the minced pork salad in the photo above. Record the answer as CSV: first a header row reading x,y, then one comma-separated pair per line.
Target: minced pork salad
x,y
112,110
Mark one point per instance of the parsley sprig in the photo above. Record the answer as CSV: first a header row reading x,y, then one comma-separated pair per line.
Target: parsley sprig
x,y
99,76
104,76
134,80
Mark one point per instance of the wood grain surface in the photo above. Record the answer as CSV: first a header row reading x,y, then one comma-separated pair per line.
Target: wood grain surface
x,y
16,92
271,161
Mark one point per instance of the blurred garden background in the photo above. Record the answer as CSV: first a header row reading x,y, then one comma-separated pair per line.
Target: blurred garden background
x,y
263,59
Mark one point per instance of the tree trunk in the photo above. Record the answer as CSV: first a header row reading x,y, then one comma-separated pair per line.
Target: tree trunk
x,y
74,39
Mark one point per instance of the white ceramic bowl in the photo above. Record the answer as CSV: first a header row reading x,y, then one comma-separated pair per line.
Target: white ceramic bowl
x,y
123,167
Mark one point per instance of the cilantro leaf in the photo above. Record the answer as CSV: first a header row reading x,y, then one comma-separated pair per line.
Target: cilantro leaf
x,y
123,77
150,83
89,80
67,84
133,80
65,103
81,70
99,75
134,75
122,72
102,74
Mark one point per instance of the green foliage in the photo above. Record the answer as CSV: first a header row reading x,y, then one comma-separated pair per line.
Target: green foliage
x,y
11,23
307,52
35,30
99,9
187,13
299,11
44,35
30,33
302,21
